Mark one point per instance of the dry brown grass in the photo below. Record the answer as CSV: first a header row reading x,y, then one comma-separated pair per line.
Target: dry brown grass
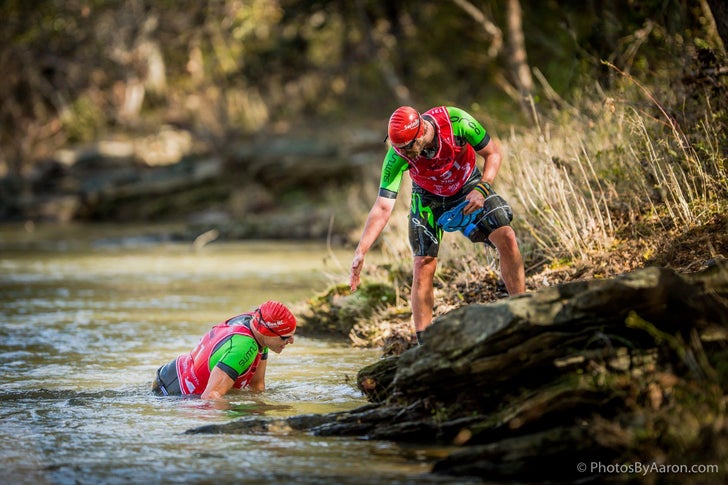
x,y
616,185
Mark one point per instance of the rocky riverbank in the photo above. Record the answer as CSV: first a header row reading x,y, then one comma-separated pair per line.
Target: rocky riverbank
x,y
625,370
250,187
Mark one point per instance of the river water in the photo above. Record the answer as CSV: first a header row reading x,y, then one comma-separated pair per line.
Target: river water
x,y
88,313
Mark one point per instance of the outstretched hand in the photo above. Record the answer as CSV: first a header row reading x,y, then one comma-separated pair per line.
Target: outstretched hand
x,y
356,266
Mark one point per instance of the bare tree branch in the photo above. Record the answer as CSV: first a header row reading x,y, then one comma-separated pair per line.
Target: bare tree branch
x,y
490,28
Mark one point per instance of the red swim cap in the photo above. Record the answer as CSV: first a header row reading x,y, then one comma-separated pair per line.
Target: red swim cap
x,y
277,319
404,125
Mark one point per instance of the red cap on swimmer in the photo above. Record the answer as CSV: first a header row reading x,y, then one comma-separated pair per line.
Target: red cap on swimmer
x,y
404,125
277,320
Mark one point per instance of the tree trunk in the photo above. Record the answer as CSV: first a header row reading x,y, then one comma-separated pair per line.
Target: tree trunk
x,y
719,10
517,57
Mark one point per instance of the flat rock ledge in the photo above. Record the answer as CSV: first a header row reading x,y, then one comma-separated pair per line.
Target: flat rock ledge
x,y
590,381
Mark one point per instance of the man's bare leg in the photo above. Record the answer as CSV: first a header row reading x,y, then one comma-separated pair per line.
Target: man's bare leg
x,y
511,262
423,293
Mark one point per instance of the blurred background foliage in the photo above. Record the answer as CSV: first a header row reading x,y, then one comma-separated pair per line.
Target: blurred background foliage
x,y
76,70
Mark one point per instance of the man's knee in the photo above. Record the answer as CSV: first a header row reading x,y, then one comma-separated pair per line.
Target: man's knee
x,y
424,267
504,239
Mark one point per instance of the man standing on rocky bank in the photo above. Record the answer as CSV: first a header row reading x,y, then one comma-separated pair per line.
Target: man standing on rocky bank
x,y
439,149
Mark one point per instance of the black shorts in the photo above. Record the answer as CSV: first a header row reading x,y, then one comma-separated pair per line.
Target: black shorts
x,y
166,383
425,234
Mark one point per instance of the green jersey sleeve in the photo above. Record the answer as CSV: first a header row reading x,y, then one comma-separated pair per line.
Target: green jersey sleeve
x,y
467,129
234,355
392,169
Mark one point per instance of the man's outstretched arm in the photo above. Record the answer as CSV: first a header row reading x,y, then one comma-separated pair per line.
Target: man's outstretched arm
x,y
376,221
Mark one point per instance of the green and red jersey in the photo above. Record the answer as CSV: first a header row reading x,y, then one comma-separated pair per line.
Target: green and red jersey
x,y
229,346
459,137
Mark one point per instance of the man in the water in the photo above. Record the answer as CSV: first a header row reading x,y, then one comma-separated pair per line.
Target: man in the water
x,y
232,355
